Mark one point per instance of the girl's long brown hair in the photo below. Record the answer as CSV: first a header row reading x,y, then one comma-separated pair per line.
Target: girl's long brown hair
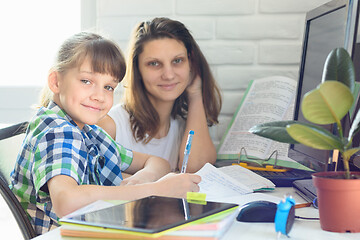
x,y
144,119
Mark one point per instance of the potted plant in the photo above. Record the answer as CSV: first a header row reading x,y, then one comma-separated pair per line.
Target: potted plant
x,y
338,192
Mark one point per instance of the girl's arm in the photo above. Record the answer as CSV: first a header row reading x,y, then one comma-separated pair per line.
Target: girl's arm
x,y
202,149
67,196
146,168
108,124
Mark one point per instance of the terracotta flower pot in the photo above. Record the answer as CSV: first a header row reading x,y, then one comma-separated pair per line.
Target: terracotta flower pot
x,y
338,201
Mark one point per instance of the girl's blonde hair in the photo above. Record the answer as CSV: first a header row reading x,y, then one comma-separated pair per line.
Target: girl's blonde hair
x,y
105,55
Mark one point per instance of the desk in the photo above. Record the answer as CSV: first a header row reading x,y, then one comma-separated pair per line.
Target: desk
x,y
302,229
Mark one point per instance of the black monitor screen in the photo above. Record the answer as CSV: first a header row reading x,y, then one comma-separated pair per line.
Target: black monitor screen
x,y
325,30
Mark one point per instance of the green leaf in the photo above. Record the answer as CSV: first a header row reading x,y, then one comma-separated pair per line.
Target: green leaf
x,y
274,130
328,103
355,127
339,67
314,136
348,153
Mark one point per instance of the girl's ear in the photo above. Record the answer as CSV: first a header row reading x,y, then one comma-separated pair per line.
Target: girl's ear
x,y
53,81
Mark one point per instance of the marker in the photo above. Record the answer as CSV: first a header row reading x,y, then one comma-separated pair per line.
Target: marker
x,y
187,151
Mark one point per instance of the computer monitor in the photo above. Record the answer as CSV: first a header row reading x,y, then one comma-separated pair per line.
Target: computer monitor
x,y
329,26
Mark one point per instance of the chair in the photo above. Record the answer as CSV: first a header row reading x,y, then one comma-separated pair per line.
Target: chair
x,y
9,146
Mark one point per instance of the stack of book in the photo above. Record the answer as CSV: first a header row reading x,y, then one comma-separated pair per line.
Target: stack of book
x,y
104,219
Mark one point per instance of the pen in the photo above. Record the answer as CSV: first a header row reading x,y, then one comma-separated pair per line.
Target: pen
x,y
186,209
302,205
187,151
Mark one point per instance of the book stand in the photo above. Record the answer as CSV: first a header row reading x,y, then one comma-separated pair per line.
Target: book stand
x,y
263,161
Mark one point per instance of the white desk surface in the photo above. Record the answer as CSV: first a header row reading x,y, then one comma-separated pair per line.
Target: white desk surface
x,y
302,229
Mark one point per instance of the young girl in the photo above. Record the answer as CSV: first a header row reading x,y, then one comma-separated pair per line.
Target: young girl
x,y
169,90
67,162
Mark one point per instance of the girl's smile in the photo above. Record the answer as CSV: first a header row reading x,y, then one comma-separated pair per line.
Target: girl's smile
x,y
97,109
168,87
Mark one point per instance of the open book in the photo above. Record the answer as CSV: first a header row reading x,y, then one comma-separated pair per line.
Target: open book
x,y
230,181
265,100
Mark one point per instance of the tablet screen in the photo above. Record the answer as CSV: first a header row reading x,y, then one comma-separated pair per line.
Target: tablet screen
x,y
149,215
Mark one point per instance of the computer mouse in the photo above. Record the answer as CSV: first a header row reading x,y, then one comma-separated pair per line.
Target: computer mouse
x,y
257,211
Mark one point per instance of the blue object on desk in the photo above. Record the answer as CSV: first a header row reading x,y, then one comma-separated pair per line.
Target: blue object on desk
x,y
257,211
187,151
285,215
315,203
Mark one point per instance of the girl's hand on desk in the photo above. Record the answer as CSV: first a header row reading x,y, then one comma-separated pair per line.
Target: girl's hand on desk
x,y
139,177
177,185
145,169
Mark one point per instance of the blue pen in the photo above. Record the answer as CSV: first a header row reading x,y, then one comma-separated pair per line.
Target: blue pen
x,y
187,151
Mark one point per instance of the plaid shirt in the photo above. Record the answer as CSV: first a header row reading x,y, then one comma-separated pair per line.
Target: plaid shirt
x,y
54,145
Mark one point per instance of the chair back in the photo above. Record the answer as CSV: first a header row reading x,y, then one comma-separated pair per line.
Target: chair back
x,y
10,141
11,138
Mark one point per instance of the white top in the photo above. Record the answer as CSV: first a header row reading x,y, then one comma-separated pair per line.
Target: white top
x,y
166,147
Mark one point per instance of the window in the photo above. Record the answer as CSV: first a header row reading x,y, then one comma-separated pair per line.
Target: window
x,y
31,32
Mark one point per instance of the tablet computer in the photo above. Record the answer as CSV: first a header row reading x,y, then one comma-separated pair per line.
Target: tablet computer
x,y
149,215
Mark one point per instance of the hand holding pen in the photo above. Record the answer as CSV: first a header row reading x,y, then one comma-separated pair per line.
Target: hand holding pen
x,y
187,151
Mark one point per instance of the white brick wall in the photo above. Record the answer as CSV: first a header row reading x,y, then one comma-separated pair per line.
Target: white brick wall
x,y
242,39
